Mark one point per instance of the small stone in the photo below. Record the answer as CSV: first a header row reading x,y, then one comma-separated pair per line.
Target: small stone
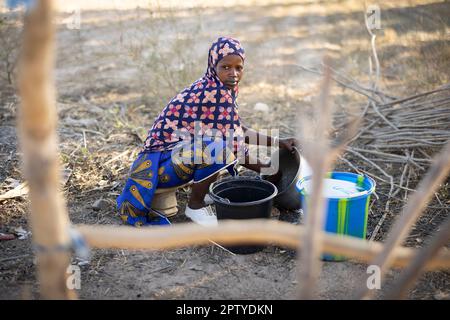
x,y
82,263
196,268
441,296
21,233
100,204
102,183
261,107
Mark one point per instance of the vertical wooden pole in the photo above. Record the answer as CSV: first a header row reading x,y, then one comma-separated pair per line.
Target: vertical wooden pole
x,y
37,131
318,155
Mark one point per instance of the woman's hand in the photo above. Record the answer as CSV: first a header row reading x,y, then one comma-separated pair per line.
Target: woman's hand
x,y
288,143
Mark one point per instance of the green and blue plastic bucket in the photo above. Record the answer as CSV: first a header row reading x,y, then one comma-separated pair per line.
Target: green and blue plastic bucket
x,y
348,197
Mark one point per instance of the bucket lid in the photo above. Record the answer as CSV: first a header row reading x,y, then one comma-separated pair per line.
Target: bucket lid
x,y
339,185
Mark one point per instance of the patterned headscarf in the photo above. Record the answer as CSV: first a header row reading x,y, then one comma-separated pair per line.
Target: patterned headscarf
x,y
207,101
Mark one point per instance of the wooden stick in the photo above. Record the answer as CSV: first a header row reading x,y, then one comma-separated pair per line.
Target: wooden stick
x,y
341,83
116,157
415,96
321,155
415,269
374,106
309,263
390,155
437,173
374,52
37,128
349,79
14,258
255,231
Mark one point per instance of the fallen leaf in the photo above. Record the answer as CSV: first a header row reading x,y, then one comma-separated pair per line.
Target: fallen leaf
x,y
20,190
12,183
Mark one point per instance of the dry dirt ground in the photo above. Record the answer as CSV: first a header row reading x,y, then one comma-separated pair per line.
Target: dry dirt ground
x,y
115,73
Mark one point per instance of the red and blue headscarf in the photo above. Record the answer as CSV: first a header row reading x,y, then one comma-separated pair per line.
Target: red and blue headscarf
x,y
207,101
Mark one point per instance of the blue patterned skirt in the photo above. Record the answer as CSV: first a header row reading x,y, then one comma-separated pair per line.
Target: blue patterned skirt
x,y
168,169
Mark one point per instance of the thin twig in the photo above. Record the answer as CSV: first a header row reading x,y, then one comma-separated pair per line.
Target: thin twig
x,y
120,155
225,249
14,258
374,53
345,85
374,106
413,97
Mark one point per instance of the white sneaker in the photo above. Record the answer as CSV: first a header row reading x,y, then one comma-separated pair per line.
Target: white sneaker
x,y
208,200
203,216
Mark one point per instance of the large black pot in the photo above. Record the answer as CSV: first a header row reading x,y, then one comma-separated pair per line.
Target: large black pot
x,y
289,165
243,198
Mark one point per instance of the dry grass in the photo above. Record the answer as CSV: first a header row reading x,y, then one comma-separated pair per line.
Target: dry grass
x,y
116,74
10,33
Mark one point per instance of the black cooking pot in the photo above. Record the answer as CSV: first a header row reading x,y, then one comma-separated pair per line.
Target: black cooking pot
x,y
243,198
289,165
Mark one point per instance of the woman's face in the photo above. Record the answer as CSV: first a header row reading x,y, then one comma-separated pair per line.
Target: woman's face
x,y
230,70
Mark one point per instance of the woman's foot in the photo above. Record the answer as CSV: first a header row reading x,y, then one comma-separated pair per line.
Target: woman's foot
x,y
196,208
207,200
203,216
195,204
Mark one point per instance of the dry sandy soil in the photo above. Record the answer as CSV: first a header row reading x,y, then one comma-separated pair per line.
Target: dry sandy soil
x,y
115,73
